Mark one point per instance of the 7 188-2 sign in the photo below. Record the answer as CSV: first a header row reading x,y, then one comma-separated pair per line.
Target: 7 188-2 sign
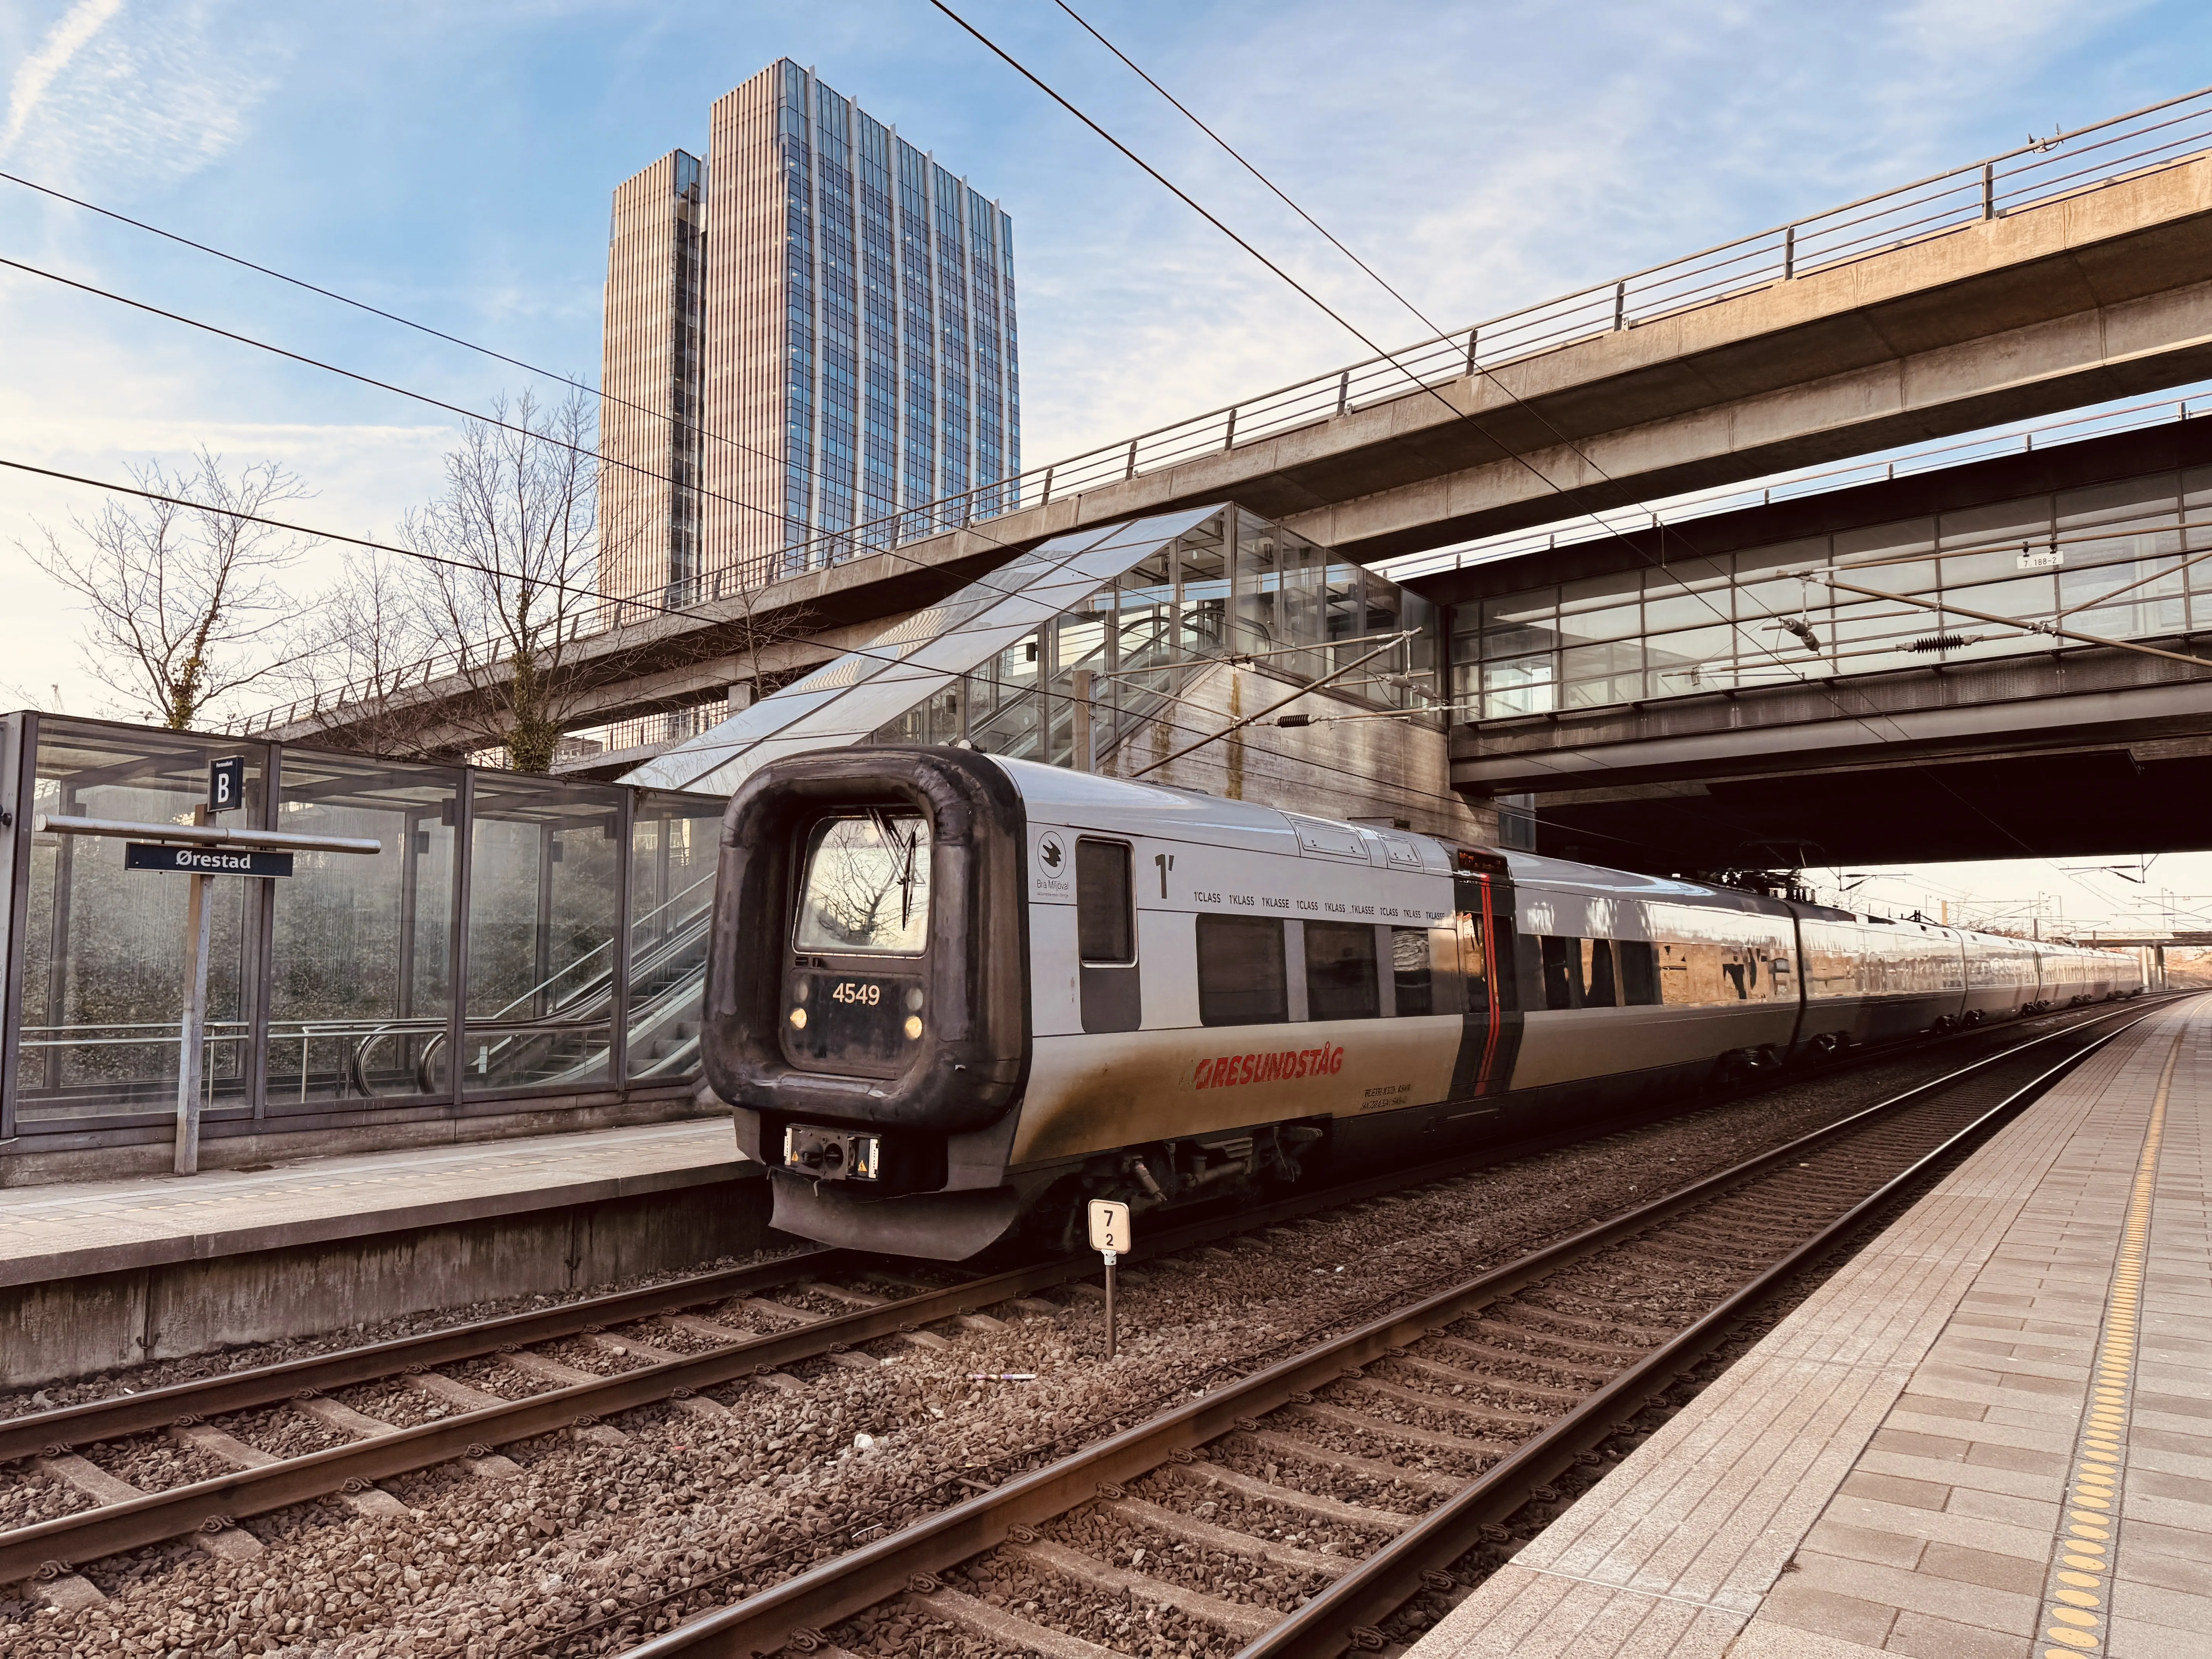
x,y
856,991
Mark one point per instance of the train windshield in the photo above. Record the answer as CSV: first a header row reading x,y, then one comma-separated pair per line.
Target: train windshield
x,y
867,884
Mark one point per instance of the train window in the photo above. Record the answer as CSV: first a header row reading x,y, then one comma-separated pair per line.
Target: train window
x,y
1638,965
1340,982
1563,972
1241,977
1105,903
1409,968
1597,974
867,884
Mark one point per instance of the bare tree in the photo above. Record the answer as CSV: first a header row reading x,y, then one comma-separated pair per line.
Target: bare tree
x,y
514,550
377,650
186,607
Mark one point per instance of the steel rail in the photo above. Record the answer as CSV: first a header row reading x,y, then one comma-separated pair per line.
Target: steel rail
x,y
157,1408
1343,1614
214,1504
909,1559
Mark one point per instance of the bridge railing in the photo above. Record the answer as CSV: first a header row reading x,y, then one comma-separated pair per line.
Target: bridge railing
x,y
2038,173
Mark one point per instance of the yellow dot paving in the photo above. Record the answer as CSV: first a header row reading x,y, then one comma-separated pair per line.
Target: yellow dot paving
x,y
1989,1434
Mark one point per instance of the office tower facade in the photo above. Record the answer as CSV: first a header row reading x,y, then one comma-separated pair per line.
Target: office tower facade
x,y
649,374
858,378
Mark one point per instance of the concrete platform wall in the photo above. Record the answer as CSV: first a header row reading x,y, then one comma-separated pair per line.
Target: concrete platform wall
x,y
63,1328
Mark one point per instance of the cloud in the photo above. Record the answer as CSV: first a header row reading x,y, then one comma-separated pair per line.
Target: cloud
x,y
157,101
63,42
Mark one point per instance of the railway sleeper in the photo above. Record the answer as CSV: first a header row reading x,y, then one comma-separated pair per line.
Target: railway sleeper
x,y
1444,1373
1009,1630
1524,1426
1204,1473
1051,1557
1383,1429
374,1501
1373,1468
1611,1352
1156,1517
1585,1322
225,1544
1453,1347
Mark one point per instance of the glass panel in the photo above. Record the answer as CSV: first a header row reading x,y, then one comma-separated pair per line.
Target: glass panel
x,y
1619,621
675,841
1519,610
1340,982
361,991
1688,661
867,885
103,952
1261,624
1522,686
1411,970
544,882
1597,675
1688,603
1202,571
1342,611
1240,980
1105,915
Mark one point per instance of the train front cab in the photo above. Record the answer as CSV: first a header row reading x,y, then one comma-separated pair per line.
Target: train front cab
x,y
866,996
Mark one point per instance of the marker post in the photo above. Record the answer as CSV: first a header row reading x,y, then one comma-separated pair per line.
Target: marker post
x,y
1110,1237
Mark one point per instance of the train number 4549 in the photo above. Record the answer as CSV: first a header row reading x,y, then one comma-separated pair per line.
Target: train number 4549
x,y
853,990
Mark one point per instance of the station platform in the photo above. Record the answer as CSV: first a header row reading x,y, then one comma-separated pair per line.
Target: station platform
x,y
1989,1434
96,1274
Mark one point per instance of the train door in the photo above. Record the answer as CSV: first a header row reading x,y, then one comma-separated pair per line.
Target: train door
x,y
1482,926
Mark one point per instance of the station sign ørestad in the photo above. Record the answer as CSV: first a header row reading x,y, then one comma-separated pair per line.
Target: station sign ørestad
x,y
204,861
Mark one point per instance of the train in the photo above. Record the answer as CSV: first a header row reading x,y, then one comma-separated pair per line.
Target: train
x,y
951,997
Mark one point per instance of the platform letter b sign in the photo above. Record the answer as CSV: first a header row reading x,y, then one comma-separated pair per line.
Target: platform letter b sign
x,y
226,783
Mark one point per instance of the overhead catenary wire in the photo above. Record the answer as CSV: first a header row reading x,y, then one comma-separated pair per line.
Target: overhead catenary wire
x,y
1565,492
642,604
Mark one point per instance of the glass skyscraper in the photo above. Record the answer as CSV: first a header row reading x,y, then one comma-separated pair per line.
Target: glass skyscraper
x,y
857,361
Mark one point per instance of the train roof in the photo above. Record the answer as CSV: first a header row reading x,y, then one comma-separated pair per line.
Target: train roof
x,y
1195,812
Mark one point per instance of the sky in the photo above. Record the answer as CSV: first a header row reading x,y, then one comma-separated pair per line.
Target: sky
x,y
454,163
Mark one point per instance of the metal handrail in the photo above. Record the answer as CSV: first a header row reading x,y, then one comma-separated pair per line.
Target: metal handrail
x,y
2159,136
1731,498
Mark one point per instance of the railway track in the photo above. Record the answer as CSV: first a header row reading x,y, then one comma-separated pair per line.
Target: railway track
x,y
473,1389
1305,1509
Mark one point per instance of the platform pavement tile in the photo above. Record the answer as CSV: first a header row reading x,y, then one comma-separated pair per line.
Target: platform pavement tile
x,y
1971,1477
2001,1405
1745,1458
1827,1612
2181,1408
2153,1554
2133,1638
1893,1438
2033,1375
2161,1483
2135,1505
2017,1384
1991,1454
1971,1504
2184,1382
2054,1435
1533,1615
1833,1536
2009,1611
1991,1568
1938,1526
1934,1408
1763,1640
1922,1636
2155,1604
2188,1456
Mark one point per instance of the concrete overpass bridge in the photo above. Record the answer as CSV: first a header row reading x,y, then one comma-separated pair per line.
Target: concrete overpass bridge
x,y
1681,698
2071,272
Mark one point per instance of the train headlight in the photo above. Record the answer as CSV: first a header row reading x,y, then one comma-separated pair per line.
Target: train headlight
x,y
913,1025
799,1019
